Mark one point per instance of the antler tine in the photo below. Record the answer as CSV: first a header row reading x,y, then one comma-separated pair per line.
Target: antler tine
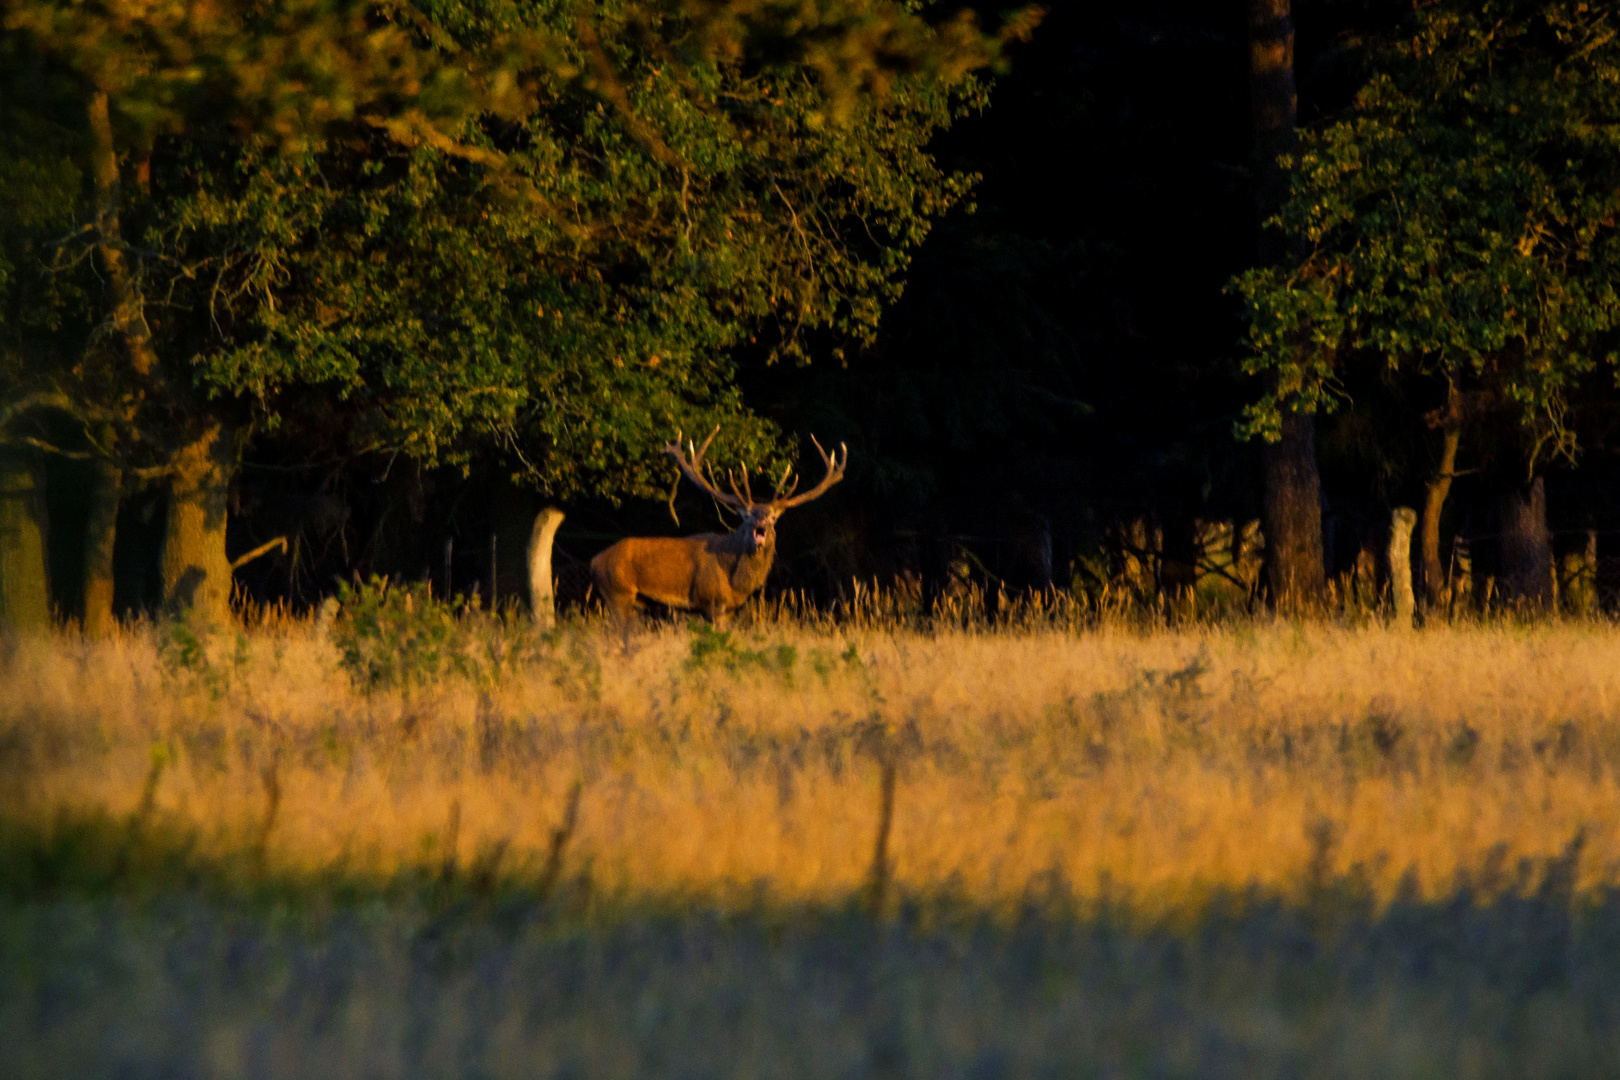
x,y
693,468
782,489
835,464
744,494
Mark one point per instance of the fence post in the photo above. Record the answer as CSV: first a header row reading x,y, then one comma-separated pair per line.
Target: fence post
x,y
542,598
1400,564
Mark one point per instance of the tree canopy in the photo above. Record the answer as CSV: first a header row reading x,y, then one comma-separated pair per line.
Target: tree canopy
x,y
1461,220
523,221
540,231
583,302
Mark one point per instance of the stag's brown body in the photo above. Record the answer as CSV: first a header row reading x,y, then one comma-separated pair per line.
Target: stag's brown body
x,y
712,573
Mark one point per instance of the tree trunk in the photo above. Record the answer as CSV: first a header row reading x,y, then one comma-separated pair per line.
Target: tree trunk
x,y
25,605
196,573
1434,572
1526,545
541,599
123,292
128,318
1293,517
101,531
1273,105
1400,564
1293,497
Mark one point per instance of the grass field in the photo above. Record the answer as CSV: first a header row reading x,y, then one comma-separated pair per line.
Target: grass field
x,y
419,846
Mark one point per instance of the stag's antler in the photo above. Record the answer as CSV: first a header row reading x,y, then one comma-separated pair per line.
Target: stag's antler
x,y
747,492
783,488
742,494
835,472
694,471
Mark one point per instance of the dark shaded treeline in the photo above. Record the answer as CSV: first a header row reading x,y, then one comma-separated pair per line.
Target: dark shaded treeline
x,y
1056,391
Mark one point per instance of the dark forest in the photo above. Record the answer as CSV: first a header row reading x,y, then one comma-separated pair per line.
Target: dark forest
x,y
1059,390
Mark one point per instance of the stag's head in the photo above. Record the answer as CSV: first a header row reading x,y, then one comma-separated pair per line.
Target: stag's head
x,y
758,527
757,530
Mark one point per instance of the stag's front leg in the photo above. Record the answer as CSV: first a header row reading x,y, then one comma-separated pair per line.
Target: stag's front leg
x,y
624,616
621,608
623,612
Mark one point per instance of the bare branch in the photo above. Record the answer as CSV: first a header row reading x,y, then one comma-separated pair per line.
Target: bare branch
x,y
262,549
44,399
87,227
49,448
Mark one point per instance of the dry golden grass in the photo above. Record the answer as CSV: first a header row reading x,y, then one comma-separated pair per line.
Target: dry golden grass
x,y
1158,768
1253,850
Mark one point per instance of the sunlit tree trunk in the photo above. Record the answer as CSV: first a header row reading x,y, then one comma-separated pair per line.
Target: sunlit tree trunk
x,y
196,572
101,532
25,605
1293,496
1434,502
1526,544
1293,517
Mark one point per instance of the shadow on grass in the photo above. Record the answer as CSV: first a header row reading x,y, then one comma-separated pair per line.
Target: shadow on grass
x,y
126,953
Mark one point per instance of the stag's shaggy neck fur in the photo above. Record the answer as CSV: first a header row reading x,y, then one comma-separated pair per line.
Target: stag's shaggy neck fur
x,y
747,563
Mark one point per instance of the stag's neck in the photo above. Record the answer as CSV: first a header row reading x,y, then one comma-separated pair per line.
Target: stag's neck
x,y
751,571
747,572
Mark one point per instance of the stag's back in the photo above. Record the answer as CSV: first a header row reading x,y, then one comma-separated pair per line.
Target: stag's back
x,y
683,572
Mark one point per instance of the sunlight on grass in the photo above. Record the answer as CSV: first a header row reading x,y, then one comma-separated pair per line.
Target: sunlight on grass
x,y
422,842
1156,767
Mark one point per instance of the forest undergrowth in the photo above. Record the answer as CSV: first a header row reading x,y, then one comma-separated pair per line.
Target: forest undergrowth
x,y
418,842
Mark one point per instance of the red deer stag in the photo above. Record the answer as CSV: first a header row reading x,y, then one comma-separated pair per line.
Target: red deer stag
x,y
712,573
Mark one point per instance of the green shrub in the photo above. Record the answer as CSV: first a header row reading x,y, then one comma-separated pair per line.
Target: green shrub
x,y
717,648
184,654
398,636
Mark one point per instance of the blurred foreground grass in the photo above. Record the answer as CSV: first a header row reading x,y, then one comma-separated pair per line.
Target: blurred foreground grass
x,y
181,986
418,847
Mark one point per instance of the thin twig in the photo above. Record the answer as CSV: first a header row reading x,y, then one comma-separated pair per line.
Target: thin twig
x,y
272,808
880,856
559,840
